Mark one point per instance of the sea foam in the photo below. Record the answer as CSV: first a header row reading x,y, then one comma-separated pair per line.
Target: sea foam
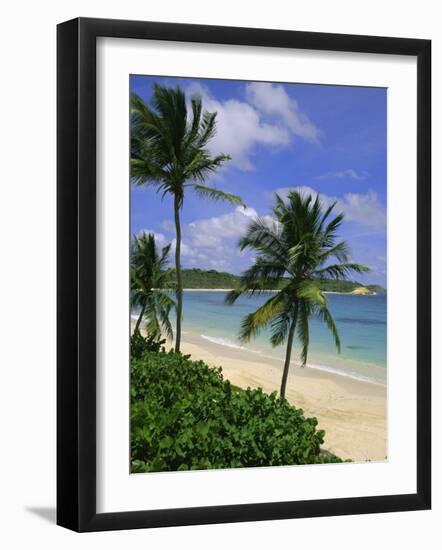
x,y
227,343
340,372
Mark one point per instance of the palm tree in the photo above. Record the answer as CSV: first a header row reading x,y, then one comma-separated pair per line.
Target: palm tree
x,y
293,252
169,151
149,277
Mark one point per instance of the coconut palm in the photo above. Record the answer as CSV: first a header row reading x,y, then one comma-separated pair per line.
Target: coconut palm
x,y
293,252
169,151
149,277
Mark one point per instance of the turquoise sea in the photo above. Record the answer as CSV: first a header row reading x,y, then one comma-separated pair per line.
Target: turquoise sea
x,y
361,321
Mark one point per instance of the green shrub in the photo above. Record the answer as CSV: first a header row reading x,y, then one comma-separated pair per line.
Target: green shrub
x,y
140,344
184,416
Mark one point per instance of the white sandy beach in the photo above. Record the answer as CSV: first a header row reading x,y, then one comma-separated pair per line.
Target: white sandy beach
x,y
353,413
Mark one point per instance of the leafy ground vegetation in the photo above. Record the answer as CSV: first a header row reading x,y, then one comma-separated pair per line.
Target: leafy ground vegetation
x,y
185,416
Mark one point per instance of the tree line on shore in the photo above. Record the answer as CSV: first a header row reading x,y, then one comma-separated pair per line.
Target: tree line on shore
x,y
194,278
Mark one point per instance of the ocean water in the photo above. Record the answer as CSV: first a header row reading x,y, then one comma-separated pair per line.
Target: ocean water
x,y
361,322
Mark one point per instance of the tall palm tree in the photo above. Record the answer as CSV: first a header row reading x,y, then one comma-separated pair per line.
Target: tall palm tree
x,y
169,151
149,277
293,252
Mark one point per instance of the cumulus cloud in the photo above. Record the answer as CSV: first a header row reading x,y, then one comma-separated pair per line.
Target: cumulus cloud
x,y
243,125
211,242
273,100
160,239
349,173
227,225
364,208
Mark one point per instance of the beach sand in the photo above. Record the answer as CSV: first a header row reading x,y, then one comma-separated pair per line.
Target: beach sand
x,y
353,413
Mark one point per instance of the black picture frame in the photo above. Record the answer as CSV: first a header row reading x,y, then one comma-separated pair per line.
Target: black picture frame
x,y
76,273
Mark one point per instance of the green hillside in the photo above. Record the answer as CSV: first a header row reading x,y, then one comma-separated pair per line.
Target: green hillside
x,y
199,278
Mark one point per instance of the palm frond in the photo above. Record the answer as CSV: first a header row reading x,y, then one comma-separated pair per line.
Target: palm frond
x,y
340,251
202,164
326,316
326,214
197,107
253,323
308,291
264,274
208,129
339,271
166,324
164,305
144,172
331,228
233,295
152,322
216,194
266,239
164,258
281,325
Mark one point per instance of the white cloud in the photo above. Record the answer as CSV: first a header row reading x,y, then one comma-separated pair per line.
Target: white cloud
x,y
212,242
168,225
239,128
248,212
273,100
364,208
344,174
160,239
211,231
240,125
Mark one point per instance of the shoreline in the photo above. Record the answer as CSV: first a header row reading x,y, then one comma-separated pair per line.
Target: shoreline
x,y
272,359
323,367
352,412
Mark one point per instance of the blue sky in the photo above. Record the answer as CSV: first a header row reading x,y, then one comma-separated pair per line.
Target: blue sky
x,y
325,139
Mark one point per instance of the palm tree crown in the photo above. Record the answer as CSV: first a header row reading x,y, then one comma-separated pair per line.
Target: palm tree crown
x,y
293,252
169,150
148,277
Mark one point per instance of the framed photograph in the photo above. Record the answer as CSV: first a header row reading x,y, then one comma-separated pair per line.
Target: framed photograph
x,y
243,274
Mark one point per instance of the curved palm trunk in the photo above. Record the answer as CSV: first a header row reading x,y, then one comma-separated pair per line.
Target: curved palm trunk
x,y
288,353
179,291
137,326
